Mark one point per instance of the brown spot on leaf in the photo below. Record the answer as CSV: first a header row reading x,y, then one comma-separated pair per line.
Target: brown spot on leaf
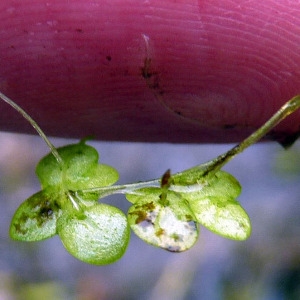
x,y
141,216
143,212
159,232
146,207
188,218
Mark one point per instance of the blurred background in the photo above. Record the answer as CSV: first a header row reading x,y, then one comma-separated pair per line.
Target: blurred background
x,y
266,266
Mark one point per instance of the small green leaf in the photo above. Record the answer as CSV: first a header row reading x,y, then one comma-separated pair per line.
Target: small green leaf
x,y
221,183
81,169
222,216
165,223
99,235
35,219
215,207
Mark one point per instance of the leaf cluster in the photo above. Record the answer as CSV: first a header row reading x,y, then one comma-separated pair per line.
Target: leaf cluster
x,y
165,212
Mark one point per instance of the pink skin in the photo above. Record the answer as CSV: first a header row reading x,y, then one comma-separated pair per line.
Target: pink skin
x,y
163,71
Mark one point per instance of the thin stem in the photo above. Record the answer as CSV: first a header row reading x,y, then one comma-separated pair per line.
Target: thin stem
x,y
120,189
73,201
34,125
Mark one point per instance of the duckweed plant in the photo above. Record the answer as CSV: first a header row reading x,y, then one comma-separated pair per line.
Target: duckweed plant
x,y
165,212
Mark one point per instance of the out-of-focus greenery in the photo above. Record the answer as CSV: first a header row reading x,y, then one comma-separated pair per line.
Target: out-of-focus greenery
x,y
44,290
288,162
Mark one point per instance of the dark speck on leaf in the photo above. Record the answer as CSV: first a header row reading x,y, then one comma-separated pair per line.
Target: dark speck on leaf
x,y
188,218
159,232
146,207
146,223
46,212
20,229
141,216
173,248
